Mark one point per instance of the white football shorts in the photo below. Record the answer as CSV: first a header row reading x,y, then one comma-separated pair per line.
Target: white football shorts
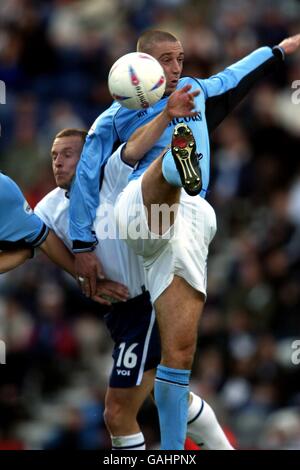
x,y
182,250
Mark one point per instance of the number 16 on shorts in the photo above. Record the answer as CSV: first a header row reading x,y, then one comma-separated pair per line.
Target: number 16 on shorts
x,y
127,358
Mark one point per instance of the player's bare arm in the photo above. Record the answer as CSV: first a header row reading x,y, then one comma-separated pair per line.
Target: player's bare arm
x,y
180,104
56,250
59,254
291,44
11,259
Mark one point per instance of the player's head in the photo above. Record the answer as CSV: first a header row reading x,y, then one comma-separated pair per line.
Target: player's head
x,y
65,153
167,49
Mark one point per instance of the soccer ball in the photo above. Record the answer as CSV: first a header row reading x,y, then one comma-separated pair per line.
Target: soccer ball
x,y
137,80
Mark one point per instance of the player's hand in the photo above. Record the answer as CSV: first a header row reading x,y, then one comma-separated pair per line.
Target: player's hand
x,y
87,270
291,44
181,103
110,291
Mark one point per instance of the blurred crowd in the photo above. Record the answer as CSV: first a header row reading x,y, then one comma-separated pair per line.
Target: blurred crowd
x,y
54,60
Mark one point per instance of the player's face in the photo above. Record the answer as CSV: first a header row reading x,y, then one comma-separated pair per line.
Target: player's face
x,y
65,155
170,55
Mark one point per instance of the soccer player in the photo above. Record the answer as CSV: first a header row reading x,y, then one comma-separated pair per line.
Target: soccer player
x,y
221,93
22,231
131,324
180,298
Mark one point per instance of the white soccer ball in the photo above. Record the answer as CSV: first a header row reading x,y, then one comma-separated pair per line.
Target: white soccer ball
x,y
137,80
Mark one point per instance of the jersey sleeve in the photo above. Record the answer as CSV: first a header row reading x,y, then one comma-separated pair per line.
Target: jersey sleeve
x,y
84,194
20,227
226,89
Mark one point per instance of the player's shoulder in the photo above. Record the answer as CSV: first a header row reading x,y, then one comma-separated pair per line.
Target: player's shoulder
x,y
126,114
9,189
194,81
7,182
108,114
53,198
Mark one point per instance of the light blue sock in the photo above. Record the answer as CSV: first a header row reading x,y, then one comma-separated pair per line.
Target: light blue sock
x,y
169,170
171,392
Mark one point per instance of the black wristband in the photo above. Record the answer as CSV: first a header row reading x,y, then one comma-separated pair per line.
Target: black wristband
x,y
82,247
278,52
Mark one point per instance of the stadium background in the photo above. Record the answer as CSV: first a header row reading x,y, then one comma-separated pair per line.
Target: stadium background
x,y
54,59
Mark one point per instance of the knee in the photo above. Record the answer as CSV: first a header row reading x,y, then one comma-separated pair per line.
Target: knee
x,y
119,419
179,356
113,417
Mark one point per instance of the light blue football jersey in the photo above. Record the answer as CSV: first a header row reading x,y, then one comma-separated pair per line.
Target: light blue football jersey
x,y
219,95
19,226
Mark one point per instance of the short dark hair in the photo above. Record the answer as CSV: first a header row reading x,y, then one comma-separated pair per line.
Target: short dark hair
x,y
70,132
147,39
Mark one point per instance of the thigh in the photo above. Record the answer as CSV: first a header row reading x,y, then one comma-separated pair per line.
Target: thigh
x,y
185,254
133,328
159,197
178,311
132,222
